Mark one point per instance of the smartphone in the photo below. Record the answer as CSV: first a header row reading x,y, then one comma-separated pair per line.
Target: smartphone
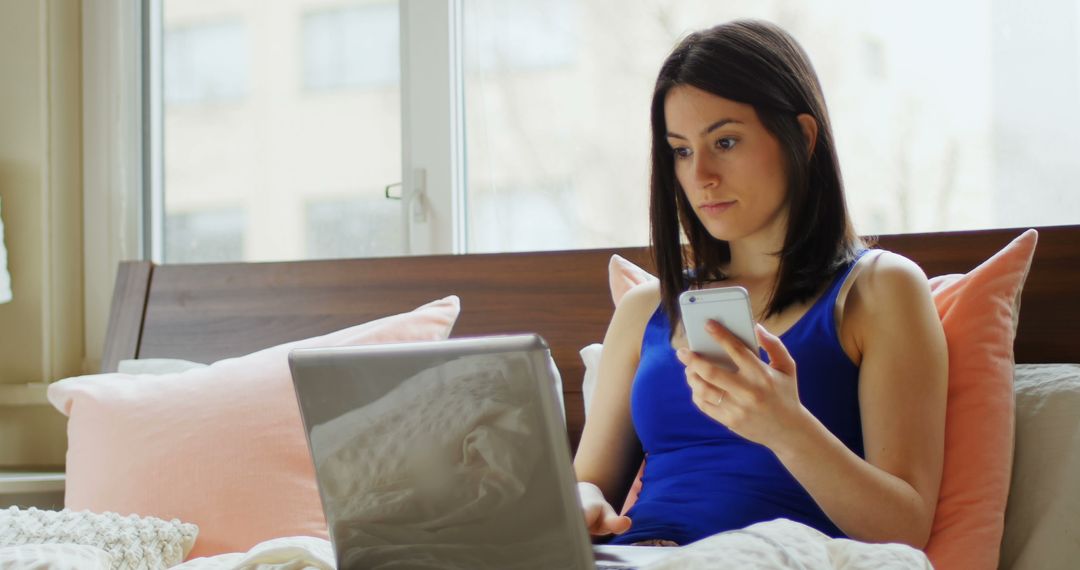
x,y
729,306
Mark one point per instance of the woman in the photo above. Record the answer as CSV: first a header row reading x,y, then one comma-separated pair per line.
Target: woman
x,y
839,424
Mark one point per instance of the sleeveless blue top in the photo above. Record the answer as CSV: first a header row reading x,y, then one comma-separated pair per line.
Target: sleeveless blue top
x,y
700,477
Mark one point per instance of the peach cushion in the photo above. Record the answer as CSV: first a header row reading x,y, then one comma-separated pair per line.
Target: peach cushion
x,y
979,311
222,447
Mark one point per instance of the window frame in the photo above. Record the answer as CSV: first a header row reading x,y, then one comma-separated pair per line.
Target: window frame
x,y
123,181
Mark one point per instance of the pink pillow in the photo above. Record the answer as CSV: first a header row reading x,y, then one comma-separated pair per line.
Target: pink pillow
x,y
979,311
222,447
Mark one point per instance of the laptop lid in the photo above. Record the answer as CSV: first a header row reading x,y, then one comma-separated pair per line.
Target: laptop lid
x,y
449,454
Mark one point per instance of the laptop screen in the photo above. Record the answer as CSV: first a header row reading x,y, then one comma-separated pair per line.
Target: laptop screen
x,y
437,455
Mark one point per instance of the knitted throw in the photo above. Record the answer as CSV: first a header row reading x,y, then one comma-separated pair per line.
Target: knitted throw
x,y
133,542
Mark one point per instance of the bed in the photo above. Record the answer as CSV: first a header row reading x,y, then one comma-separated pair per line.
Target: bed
x,y
205,313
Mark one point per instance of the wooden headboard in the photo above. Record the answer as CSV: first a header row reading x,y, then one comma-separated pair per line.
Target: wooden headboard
x,y
208,312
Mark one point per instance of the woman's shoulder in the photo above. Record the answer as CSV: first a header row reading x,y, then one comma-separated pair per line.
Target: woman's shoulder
x,y
888,269
632,315
888,279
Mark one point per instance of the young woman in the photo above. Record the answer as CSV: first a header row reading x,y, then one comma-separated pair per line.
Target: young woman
x,y
839,423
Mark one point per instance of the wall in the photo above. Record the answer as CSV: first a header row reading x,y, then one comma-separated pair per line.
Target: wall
x,y
41,330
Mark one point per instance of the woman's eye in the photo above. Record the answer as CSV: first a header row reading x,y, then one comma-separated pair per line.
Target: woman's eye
x,y
726,143
681,152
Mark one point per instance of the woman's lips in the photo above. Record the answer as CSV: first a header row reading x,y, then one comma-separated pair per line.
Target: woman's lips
x,y
716,207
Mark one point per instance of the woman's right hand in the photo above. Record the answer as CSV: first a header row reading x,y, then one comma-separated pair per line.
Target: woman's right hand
x,y
600,517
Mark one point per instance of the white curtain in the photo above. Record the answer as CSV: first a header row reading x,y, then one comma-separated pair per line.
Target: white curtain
x,y
5,278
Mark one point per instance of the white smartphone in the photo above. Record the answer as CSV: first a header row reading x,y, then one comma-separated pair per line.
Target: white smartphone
x,y
729,306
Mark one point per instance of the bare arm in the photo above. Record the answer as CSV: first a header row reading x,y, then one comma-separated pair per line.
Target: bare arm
x,y
609,453
892,495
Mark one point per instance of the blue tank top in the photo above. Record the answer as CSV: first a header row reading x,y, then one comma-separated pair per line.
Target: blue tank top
x,y
700,477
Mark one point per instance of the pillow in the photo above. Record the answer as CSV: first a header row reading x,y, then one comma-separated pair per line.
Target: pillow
x,y
979,311
130,542
624,276
1044,499
590,355
222,447
156,366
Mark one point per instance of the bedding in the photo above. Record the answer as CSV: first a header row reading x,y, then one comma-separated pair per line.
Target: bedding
x,y
130,542
54,557
777,545
157,366
1041,521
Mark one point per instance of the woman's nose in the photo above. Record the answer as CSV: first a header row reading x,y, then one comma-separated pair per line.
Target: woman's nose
x,y
705,173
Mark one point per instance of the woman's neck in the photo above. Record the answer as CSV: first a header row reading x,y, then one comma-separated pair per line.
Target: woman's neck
x,y
754,260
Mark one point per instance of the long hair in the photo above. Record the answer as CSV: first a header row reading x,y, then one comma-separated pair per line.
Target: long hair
x,y
758,64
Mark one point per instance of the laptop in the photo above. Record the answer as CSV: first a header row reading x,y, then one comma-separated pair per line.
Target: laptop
x,y
447,454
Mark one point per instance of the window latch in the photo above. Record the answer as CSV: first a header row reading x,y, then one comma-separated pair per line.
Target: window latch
x,y
386,191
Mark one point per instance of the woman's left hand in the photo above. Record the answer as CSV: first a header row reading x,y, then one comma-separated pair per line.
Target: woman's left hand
x,y
758,401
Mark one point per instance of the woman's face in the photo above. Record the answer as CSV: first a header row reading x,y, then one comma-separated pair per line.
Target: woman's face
x,y
730,167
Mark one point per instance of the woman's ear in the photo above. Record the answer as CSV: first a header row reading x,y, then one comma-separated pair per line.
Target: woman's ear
x,y
809,131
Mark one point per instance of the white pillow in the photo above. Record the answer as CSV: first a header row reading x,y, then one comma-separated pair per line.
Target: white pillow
x,y
131,541
590,355
156,366
1041,520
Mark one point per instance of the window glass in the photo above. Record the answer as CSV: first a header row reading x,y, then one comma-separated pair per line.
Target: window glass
x,y
205,236
206,62
947,116
352,46
272,108
350,227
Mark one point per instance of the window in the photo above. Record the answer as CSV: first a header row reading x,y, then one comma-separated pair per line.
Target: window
x,y
350,226
355,46
947,116
206,63
205,236
289,146
943,115
522,35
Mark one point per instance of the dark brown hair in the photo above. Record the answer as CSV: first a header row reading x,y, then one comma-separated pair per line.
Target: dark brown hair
x,y
758,64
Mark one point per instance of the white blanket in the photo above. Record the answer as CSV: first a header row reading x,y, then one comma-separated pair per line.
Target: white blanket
x,y
784,544
778,544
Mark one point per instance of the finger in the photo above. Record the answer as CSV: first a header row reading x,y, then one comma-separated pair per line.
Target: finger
x,y
616,524
779,357
602,520
709,373
594,520
706,395
740,354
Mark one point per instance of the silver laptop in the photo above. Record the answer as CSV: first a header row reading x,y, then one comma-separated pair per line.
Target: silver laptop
x,y
449,454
